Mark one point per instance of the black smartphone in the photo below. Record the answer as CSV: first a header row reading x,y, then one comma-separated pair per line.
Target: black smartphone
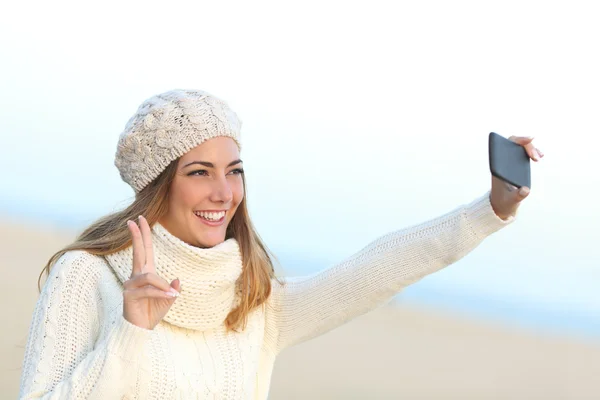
x,y
509,161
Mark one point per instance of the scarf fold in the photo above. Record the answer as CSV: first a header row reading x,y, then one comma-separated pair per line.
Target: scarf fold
x,y
208,277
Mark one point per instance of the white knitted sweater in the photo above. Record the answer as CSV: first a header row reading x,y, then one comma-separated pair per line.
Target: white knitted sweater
x,y
80,346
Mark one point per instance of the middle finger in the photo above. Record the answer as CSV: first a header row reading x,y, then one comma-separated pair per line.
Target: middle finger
x,y
147,239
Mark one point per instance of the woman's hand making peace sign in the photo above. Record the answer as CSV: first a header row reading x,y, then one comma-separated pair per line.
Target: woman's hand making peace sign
x,y
147,297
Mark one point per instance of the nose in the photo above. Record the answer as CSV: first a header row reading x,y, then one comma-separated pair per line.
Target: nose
x,y
221,191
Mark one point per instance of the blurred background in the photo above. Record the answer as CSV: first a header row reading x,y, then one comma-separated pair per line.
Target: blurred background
x,y
359,118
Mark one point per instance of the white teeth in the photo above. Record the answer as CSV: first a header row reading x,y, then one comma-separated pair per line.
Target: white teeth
x,y
212,216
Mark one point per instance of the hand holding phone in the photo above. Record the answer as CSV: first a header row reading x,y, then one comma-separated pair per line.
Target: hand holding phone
x,y
509,161
511,173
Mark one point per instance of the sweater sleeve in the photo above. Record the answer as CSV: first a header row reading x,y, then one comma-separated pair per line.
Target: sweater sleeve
x,y
303,308
64,358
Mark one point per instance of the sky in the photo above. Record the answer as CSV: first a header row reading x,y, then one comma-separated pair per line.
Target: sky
x,y
359,118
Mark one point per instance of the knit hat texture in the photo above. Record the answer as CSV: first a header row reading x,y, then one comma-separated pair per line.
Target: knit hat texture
x,y
165,127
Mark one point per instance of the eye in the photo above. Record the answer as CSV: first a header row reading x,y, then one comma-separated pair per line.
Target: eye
x,y
237,171
198,172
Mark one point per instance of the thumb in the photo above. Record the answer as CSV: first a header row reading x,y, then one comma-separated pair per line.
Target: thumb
x,y
176,284
522,193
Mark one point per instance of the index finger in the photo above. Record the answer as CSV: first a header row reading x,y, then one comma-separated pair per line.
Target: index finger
x,y
527,143
148,249
139,256
522,140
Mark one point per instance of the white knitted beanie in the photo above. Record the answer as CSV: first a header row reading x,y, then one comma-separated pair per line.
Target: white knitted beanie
x,y
165,127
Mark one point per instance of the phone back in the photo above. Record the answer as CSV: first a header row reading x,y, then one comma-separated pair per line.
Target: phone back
x,y
509,161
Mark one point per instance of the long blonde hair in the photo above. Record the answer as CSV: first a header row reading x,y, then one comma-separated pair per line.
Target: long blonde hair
x,y
110,234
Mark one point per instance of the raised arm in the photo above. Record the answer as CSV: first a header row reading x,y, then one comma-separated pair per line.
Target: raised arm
x,y
303,308
63,357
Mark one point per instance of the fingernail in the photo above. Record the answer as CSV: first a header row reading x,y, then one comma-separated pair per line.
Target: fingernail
x,y
172,293
523,191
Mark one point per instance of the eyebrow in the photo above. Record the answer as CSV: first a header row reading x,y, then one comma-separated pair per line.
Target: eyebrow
x,y
211,165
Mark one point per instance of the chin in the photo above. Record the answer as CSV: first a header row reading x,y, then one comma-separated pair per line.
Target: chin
x,y
210,240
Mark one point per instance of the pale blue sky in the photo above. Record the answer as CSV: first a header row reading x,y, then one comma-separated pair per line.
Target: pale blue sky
x,y
357,120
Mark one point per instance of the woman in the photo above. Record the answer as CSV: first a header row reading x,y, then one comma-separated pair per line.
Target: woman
x,y
182,302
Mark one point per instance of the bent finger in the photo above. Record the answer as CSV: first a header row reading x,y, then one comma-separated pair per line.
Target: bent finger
x,y
522,140
527,143
539,152
147,278
532,153
148,292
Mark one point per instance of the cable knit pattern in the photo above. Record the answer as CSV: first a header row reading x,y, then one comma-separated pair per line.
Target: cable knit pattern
x,y
168,125
80,347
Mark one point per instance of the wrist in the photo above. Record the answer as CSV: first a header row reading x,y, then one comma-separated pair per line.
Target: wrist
x,y
503,215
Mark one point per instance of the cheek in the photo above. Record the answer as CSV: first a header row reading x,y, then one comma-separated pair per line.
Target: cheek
x,y
238,193
184,196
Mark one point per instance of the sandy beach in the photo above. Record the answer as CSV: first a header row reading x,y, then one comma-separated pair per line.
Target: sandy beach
x,y
395,352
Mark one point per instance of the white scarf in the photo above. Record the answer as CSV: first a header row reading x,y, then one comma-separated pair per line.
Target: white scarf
x,y
208,277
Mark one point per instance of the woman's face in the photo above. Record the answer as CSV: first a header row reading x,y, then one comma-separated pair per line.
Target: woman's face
x,y
205,193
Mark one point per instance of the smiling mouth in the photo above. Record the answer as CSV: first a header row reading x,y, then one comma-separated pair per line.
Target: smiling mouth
x,y
211,216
